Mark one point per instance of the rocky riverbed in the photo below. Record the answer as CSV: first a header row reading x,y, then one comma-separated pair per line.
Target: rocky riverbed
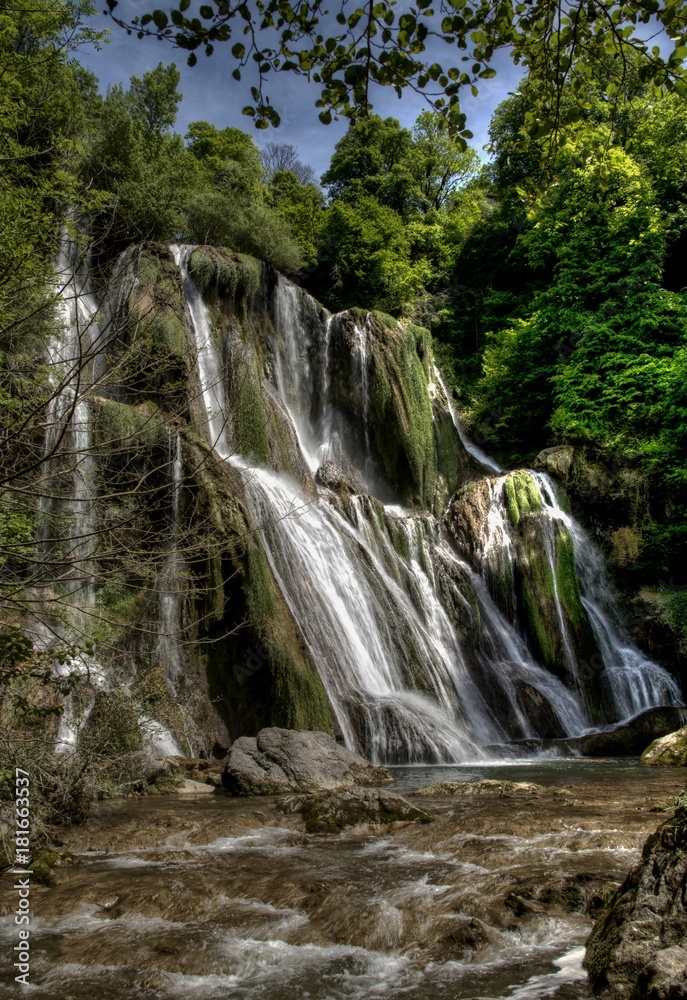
x,y
205,894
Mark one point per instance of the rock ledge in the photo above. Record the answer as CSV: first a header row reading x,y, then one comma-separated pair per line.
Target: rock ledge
x,y
287,760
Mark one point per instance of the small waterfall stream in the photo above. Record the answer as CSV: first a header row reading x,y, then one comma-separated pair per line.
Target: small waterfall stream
x,y
379,617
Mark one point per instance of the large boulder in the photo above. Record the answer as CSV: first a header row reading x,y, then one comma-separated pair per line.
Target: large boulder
x,y
638,947
668,751
628,739
286,760
331,812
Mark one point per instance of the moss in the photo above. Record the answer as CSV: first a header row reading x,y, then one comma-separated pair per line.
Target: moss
x,y
300,700
385,319
537,594
446,454
120,601
167,782
259,588
566,580
522,496
118,425
112,727
235,276
399,540
250,416
259,674
43,862
401,410
672,612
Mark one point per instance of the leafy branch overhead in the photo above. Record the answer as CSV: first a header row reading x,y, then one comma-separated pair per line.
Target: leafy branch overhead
x,y
346,48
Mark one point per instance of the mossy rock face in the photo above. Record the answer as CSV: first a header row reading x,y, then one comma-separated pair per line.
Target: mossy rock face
x,y
118,426
152,351
401,417
258,668
522,496
668,751
225,274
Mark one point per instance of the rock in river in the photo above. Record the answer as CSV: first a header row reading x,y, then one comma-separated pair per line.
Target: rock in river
x,y
668,751
638,947
286,760
331,812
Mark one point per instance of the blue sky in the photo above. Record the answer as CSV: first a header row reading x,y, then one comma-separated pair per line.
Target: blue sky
x,y
210,94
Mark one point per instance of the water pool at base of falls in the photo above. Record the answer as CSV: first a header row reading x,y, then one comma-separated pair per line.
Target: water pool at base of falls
x,y
209,896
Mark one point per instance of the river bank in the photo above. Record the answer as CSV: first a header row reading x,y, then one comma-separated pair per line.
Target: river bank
x,y
201,895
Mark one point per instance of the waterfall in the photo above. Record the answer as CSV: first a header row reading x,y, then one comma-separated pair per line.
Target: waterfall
x,y
471,448
418,659
70,513
169,585
634,682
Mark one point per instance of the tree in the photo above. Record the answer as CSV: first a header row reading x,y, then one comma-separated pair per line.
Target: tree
x,y
282,157
442,164
557,42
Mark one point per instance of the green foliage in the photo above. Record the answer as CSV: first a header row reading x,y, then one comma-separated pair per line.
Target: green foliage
x,y
237,276
32,686
112,726
381,46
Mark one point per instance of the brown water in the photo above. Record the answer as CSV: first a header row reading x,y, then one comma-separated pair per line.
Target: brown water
x,y
212,897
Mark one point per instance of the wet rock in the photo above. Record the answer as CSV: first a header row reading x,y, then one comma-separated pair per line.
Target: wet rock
x,y
467,515
664,978
286,760
630,738
197,769
556,461
331,812
626,739
336,479
467,937
638,946
489,786
667,751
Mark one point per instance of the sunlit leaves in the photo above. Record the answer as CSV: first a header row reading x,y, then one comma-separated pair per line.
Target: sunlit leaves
x,y
557,45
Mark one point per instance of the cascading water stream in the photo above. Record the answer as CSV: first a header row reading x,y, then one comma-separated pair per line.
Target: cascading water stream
x,y
378,617
168,646
635,683
471,448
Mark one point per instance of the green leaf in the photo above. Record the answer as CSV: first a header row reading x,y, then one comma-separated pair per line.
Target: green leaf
x,y
160,19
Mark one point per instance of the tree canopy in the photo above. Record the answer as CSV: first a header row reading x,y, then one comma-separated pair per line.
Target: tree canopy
x,y
559,42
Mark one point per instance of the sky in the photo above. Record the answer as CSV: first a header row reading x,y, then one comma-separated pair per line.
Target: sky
x,y
210,94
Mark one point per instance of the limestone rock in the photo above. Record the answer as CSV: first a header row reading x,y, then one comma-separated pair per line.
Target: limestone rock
x,y
333,811
336,479
489,786
286,760
556,461
628,738
638,947
670,750
664,978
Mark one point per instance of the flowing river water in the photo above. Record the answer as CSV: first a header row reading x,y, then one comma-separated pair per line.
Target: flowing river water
x,y
209,896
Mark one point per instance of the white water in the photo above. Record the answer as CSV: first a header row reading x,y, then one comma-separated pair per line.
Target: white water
x,y
471,448
71,360
170,583
378,616
634,682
